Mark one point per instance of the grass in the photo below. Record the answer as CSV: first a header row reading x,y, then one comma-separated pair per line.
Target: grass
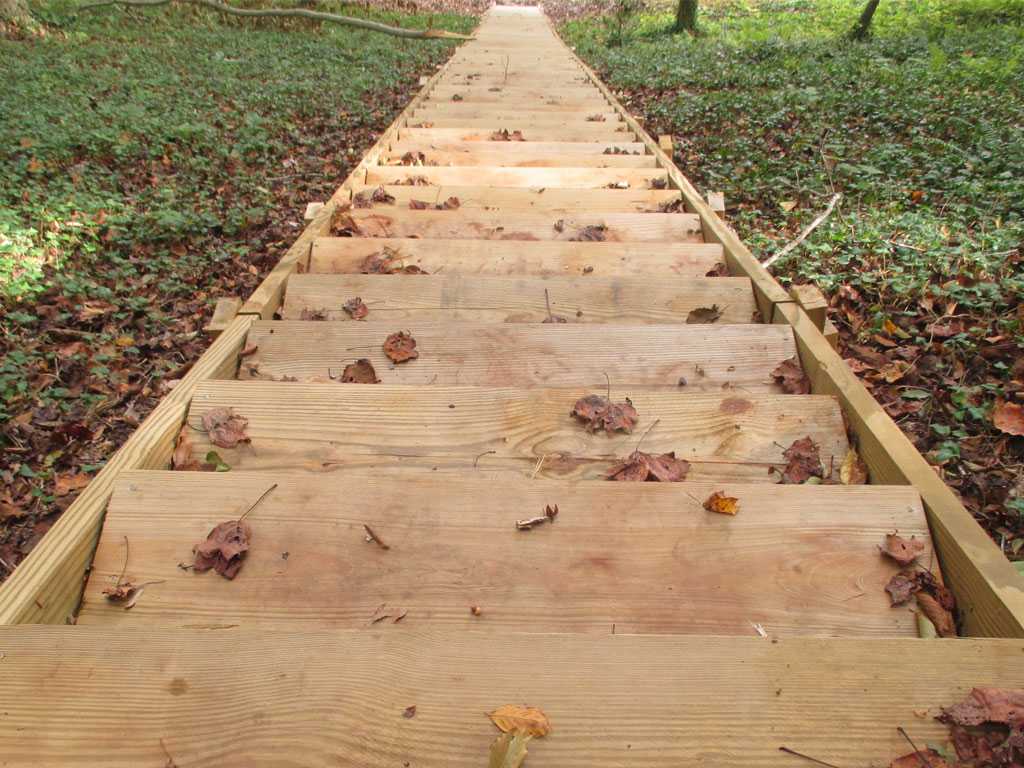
x,y
151,161
921,129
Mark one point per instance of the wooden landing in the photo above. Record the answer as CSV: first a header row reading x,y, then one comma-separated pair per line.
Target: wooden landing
x,y
564,255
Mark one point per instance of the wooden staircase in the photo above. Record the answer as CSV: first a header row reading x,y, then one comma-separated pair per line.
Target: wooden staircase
x,y
566,266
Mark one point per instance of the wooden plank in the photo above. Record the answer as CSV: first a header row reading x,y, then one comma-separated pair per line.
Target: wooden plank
x,y
472,153
989,590
812,302
517,299
327,699
582,96
457,104
716,200
336,427
811,561
223,313
345,255
312,209
47,585
516,113
516,149
513,200
479,224
739,357
545,178
471,132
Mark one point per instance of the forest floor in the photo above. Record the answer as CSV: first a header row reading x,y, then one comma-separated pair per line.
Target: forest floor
x,y
151,162
921,129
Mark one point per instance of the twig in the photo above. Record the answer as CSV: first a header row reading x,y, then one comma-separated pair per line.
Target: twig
x,y
371,536
917,753
255,503
815,760
803,235
530,522
646,432
536,469
547,303
480,456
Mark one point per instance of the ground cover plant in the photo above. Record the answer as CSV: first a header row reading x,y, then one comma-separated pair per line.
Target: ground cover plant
x,y
150,162
921,129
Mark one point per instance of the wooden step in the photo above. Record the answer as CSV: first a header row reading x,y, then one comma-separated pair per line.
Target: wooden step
x,y
455,103
469,132
433,113
477,224
241,698
537,199
515,149
589,299
346,255
542,178
646,558
708,358
472,153
453,430
582,96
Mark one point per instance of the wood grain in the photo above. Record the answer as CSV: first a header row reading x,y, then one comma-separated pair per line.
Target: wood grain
x,y
78,697
331,427
482,131
477,224
341,255
495,176
405,299
529,154
566,203
646,558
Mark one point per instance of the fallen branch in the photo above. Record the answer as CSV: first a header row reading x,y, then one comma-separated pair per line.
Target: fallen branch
x,y
803,235
334,18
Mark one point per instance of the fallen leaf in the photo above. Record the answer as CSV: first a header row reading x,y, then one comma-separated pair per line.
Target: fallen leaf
x,y
521,718
225,428
787,205
505,135
789,375
400,347
803,461
903,551
704,315
901,588
216,463
65,484
356,309
592,233
182,458
312,314
359,372
988,705
508,750
926,757
941,618
1008,418
853,471
719,270
224,549
722,504
451,204
645,467
409,712
418,205
597,413
596,118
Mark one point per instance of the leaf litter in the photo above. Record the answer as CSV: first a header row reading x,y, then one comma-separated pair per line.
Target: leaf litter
x,y
400,347
225,428
225,547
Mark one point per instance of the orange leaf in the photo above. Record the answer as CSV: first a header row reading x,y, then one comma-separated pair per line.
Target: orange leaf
x,y
722,504
515,717
1008,418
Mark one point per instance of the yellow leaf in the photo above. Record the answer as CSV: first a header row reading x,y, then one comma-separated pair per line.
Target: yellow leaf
x,y
508,750
890,327
515,717
722,504
853,471
124,341
787,205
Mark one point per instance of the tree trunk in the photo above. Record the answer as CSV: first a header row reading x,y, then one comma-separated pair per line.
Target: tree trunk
x,y
863,27
14,10
686,16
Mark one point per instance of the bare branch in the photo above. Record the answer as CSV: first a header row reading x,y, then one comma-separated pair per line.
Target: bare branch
x,y
803,235
333,18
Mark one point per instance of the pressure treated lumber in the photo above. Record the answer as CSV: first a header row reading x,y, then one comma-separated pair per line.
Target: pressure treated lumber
x,y
332,427
475,224
682,358
244,699
512,201
645,557
533,154
484,130
407,299
522,257
457,114
496,176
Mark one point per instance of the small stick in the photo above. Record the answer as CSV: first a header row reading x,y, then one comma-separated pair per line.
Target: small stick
x,y
536,469
803,235
646,432
608,381
371,536
261,498
480,456
547,303
815,760
917,753
124,568
525,525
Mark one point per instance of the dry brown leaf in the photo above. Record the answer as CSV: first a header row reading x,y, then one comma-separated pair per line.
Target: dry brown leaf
x,y
409,712
355,308
988,705
505,135
599,413
719,270
313,314
508,750
224,549
937,615
592,233
803,461
853,471
451,204
722,504
225,428
903,551
645,467
418,205
1008,418
789,375
926,757
901,588
400,347
704,315
597,117
65,484
182,458
359,372
524,719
